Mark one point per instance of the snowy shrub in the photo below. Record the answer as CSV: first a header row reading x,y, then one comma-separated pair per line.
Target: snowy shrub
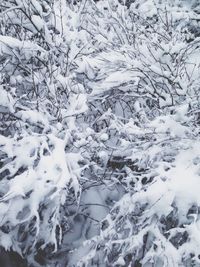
x,y
99,125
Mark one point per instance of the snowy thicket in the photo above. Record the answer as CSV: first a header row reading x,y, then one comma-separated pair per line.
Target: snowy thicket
x,y
99,132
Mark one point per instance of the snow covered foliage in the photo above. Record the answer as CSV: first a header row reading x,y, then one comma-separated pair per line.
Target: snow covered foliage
x,y
99,132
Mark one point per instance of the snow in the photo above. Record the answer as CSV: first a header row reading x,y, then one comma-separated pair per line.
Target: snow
x,y
99,132
37,6
104,137
13,43
169,124
32,116
6,101
38,22
78,106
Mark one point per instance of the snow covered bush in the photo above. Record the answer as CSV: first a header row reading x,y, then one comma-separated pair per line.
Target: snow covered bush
x,y
148,91
39,105
99,109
